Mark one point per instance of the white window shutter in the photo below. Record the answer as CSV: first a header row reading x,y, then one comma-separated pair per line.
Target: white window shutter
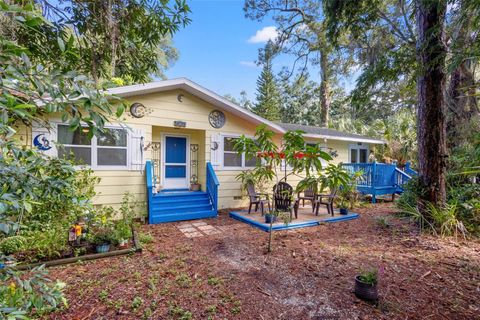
x,y
44,139
216,150
136,149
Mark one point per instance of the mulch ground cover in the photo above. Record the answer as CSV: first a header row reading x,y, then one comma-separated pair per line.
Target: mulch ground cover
x,y
309,275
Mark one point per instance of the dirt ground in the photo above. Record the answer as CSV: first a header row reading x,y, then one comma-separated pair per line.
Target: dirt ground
x,y
309,275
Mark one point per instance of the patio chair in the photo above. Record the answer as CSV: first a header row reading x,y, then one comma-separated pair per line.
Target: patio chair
x,y
308,194
257,199
325,199
282,198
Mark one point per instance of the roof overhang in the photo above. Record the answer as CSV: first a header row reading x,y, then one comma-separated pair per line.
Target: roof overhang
x,y
219,102
198,91
351,139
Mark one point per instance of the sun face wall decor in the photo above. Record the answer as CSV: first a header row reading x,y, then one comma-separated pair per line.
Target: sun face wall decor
x,y
217,119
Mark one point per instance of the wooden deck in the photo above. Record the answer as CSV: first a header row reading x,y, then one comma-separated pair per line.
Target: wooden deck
x,y
306,218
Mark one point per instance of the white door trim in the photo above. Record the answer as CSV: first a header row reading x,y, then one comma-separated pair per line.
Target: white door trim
x,y
358,148
175,183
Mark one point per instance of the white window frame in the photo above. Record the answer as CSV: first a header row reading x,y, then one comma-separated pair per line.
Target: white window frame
x,y
222,143
358,147
94,147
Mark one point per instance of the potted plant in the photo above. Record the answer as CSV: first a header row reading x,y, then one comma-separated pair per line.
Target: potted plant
x,y
366,285
343,205
270,218
102,238
123,232
194,185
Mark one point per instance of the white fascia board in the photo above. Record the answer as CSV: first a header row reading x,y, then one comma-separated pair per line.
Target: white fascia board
x,y
331,137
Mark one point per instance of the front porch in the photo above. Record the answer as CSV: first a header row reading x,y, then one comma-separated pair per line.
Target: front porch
x,y
178,159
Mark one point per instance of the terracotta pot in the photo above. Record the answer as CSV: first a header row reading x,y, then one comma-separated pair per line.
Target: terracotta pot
x,y
365,291
195,187
123,244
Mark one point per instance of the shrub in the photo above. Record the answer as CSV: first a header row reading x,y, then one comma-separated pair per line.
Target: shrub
x,y
99,236
12,244
48,244
439,220
412,191
40,192
25,294
145,238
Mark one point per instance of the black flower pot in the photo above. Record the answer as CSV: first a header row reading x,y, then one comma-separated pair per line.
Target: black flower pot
x,y
365,291
343,211
270,218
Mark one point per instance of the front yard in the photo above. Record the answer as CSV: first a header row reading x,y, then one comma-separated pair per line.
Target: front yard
x,y
223,272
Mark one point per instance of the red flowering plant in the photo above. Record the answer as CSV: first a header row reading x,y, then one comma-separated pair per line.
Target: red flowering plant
x,y
294,152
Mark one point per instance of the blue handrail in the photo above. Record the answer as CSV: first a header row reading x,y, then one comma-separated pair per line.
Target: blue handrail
x,y
149,178
409,170
212,186
400,178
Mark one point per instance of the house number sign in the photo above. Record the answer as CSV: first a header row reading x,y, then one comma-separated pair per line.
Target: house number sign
x,y
216,119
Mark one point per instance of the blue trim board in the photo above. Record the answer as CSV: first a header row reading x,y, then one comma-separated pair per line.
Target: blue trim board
x,y
266,227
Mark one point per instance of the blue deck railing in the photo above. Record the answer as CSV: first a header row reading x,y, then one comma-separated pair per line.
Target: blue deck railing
x,y
380,178
212,186
366,168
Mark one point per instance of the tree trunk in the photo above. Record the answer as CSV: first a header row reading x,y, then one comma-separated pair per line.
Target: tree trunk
x,y
324,90
462,104
432,149
462,100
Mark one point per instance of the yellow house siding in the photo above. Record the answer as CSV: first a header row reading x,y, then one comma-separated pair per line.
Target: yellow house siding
x,y
163,109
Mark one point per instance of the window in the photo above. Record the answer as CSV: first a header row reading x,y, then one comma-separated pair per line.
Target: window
x,y
322,148
107,150
231,159
358,153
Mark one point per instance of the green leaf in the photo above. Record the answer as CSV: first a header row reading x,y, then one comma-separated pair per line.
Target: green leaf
x,y
120,110
61,44
27,206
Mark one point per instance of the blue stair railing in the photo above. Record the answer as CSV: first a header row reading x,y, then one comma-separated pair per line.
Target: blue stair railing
x,y
149,178
400,178
212,186
408,170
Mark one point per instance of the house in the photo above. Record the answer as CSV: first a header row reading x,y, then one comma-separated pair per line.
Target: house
x,y
174,128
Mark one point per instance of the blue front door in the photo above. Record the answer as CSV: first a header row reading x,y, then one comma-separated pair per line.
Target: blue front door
x,y
175,164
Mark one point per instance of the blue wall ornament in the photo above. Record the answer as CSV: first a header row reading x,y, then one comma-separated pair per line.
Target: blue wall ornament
x,y
41,142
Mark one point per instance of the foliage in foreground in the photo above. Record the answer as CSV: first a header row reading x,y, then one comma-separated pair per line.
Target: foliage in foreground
x,y
461,214
29,294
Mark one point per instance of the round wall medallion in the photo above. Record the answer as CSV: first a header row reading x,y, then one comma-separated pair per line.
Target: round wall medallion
x,y
138,110
216,119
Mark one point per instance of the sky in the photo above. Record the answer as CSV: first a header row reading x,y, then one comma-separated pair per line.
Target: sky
x,y
218,48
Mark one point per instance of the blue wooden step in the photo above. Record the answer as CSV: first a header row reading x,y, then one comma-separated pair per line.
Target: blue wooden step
x,y
170,217
174,203
160,209
179,193
177,205
181,196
